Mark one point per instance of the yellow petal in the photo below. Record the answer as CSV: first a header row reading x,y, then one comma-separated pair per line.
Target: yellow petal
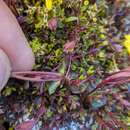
x,y
49,4
127,42
127,45
60,1
127,37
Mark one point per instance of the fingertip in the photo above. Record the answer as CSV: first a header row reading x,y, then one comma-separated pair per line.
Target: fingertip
x,y
23,62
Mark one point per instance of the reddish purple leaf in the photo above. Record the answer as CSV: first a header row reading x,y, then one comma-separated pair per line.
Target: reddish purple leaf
x,y
69,46
107,124
118,47
125,102
27,125
118,123
37,76
41,111
122,101
116,78
52,24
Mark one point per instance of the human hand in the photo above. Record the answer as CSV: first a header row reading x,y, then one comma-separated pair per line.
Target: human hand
x,y
15,53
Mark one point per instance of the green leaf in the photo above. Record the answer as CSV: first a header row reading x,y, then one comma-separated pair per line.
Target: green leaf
x,y
90,70
62,68
8,91
71,19
53,86
95,126
49,113
96,104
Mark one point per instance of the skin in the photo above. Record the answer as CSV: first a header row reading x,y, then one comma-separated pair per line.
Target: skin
x,y
15,53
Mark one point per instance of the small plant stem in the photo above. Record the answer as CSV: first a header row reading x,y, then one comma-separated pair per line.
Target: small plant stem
x,y
69,66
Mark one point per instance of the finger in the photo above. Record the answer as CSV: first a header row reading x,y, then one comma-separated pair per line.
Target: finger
x,y
5,69
13,41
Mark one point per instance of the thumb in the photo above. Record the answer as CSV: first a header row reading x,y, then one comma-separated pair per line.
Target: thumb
x,y
5,69
13,41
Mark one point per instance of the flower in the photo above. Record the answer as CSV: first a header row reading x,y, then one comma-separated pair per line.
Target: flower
x,y
127,42
48,4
